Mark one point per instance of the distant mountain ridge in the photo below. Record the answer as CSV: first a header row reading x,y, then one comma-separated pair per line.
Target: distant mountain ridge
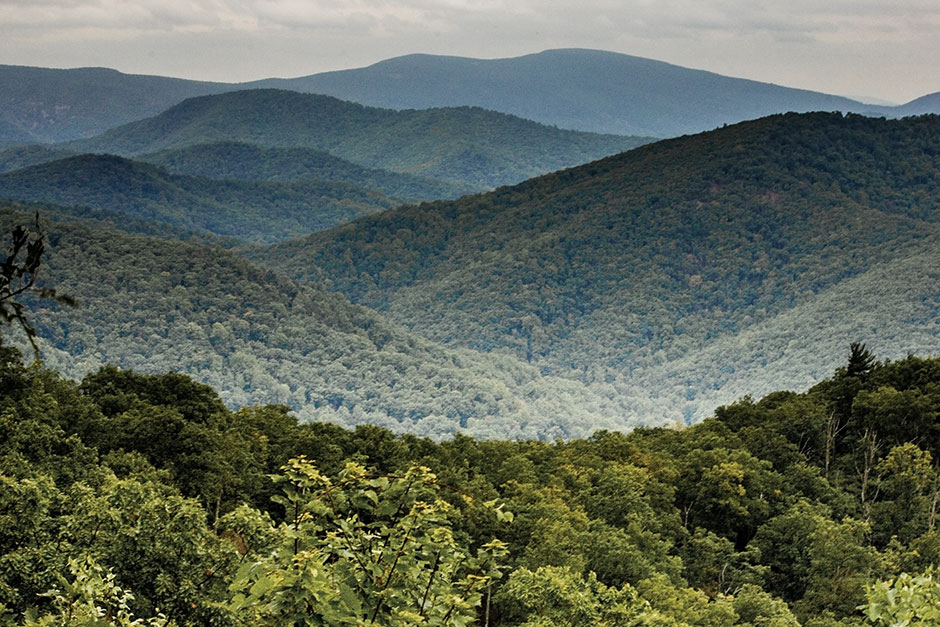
x,y
43,105
921,106
591,90
464,145
587,90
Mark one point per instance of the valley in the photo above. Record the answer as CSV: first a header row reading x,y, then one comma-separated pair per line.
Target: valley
x,y
575,337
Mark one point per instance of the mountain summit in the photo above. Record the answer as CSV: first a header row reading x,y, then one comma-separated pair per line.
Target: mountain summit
x,y
577,89
588,90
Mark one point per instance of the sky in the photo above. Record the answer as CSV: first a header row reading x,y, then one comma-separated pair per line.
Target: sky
x,y
877,49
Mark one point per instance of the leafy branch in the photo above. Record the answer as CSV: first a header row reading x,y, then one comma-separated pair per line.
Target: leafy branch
x,y
18,275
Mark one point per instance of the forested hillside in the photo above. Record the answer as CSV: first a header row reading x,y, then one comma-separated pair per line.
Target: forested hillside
x,y
131,497
644,273
658,283
246,162
25,156
155,305
256,211
464,145
231,160
50,105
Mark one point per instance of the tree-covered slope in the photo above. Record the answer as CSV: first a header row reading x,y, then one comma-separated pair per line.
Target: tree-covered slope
x,y
465,145
141,499
20,157
587,90
614,270
12,134
155,305
894,305
232,160
250,210
51,105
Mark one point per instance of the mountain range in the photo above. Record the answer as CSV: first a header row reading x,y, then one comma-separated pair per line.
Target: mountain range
x,y
626,272
587,90
250,210
463,145
644,288
264,279
43,105
152,305
266,165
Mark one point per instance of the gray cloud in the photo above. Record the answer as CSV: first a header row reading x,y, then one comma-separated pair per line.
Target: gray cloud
x,y
730,16
241,39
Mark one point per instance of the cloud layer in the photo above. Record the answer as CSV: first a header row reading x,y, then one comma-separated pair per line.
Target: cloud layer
x,y
241,39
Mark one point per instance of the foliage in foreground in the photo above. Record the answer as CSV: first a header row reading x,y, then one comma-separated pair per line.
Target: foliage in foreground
x,y
131,499
905,600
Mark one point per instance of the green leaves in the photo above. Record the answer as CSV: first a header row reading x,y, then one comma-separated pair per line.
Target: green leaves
x,y
18,276
556,596
90,597
360,549
906,600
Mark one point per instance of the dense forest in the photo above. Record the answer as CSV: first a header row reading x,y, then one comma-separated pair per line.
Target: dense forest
x,y
153,304
135,499
258,211
645,288
469,146
621,271
128,497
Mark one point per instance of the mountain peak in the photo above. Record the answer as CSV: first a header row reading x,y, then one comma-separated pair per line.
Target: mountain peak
x,y
574,88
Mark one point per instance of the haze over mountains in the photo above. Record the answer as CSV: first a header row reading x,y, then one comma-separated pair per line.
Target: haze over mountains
x,y
625,271
588,90
264,165
463,145
643,288
42,105
647,284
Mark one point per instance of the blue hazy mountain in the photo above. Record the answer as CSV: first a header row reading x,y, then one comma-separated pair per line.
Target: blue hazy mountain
x,y
466,145
588,90
40,105
921,106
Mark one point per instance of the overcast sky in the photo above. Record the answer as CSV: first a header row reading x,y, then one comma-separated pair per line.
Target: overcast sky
x,y
888,49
